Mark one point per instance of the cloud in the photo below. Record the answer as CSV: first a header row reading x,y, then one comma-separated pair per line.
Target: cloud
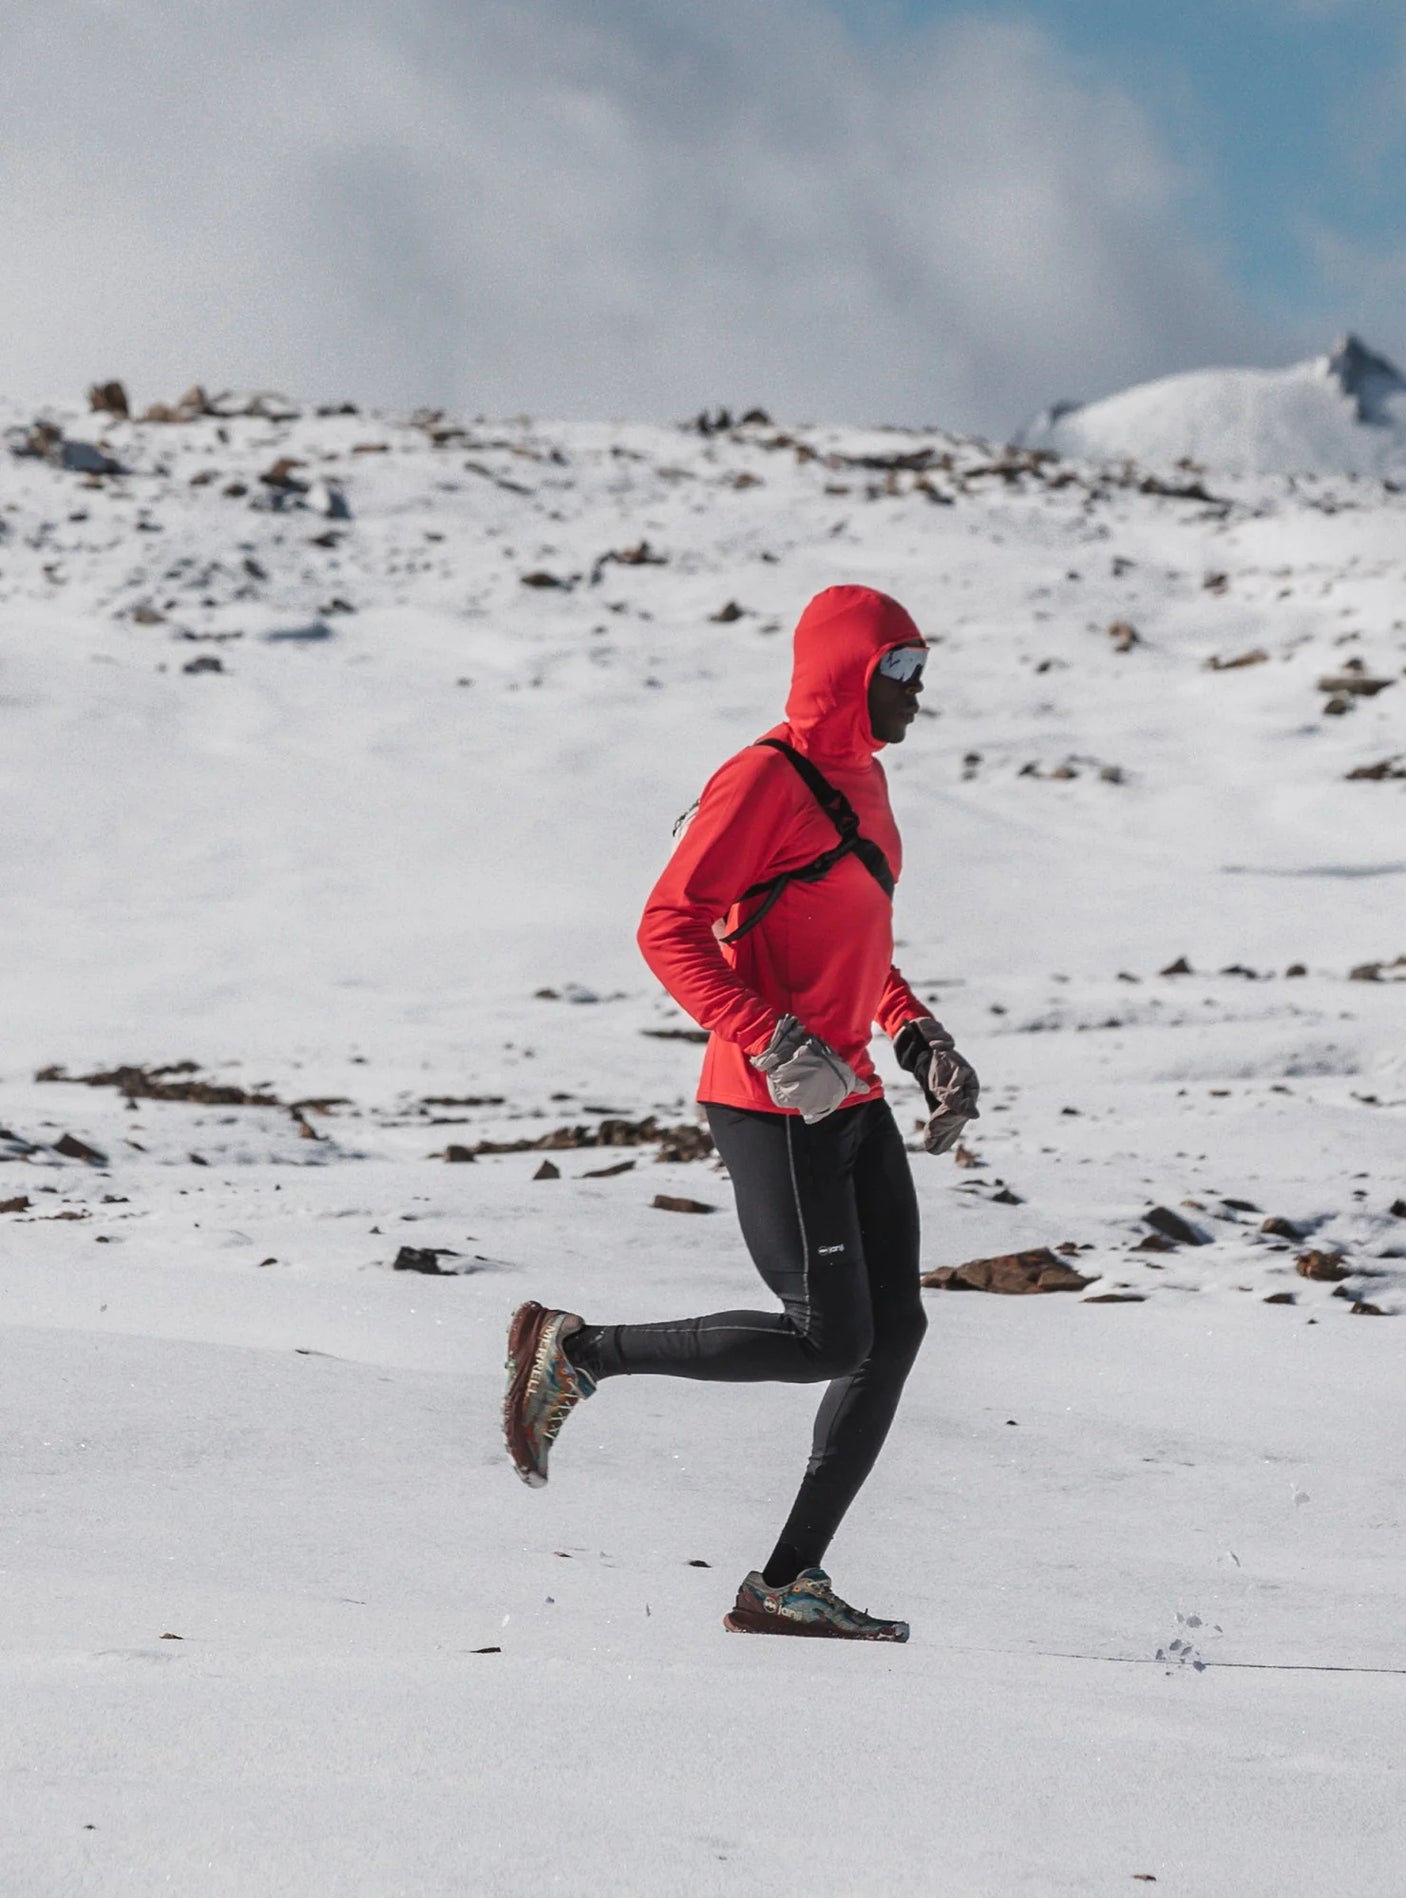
x,y
631,209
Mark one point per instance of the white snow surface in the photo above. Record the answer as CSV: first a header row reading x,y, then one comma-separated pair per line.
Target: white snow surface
x,y
278,1616
1309,418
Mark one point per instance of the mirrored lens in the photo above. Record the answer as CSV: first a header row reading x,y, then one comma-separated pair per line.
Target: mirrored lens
x,y
904,663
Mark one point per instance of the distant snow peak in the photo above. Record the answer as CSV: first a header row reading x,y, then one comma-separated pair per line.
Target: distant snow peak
x,y
1370,380
1343,413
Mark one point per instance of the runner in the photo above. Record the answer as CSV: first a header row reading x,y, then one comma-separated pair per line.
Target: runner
x,y
772,927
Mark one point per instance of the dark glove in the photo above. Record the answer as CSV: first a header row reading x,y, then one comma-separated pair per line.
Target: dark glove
x,y
804,1072
948,1081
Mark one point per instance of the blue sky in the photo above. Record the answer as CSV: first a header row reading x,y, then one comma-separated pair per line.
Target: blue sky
x,y
1290,113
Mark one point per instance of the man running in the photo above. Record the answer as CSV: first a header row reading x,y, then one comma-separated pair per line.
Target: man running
x,y
772,926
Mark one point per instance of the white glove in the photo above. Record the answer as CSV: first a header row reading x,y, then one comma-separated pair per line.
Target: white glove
x,y
803,1072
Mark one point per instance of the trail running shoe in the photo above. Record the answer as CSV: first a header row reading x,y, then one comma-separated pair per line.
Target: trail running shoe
x,y
544,1387
806,1606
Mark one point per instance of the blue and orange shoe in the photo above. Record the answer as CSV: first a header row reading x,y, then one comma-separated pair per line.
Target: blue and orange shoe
x,y
807,1606
544,1387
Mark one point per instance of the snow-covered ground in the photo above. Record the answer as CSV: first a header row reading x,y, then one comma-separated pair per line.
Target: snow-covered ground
x,y
1342,413
384,877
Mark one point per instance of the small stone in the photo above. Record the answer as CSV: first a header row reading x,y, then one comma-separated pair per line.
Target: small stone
x,y
1282,1298
1180,967
1325,1266
547,1171
668,1203
1162,1219
1280,1228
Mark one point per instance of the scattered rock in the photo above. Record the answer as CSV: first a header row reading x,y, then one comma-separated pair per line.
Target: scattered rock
x,y
1036,1270
1180,967
73,1148
668,1203
1155,1242
547,1171
1282,1298
1394,767
1354,685
640,555
1397,1209
193,404
422,1259
155,1084
1362,1309
677,1034
460,1155
686,1141
725,615
1296,968
1124,635
1116,1298
280,475
1162,1219
609,1172
1379,971
1256,657
305,635
204,662
1325,1266
541,579
19,1204
108,398
1280,1228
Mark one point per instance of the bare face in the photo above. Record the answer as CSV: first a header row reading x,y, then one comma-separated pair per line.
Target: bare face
x,y
893,705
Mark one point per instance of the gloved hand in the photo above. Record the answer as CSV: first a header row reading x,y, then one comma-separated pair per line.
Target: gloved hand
x,y
804,1072
948,1081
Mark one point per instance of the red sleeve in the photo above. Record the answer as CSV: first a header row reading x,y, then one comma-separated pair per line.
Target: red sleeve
x,y
898,1005
730,845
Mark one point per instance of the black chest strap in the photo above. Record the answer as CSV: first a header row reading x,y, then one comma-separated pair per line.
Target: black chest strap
x,y
843,816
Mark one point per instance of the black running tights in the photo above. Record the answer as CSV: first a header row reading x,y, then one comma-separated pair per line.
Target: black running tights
x,y
831,1220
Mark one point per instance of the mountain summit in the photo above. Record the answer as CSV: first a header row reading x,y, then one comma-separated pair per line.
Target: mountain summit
x,y
1343,413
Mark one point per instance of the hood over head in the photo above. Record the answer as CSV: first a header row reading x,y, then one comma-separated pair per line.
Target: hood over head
x,y
839,640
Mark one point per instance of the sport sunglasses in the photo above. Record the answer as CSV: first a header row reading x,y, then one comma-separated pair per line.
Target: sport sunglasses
x,y
904,663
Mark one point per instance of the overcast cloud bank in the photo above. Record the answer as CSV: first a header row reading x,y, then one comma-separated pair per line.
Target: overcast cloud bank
x,y
497,207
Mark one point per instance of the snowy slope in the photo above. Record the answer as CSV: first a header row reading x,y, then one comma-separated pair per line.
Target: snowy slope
x,y
379,869
1343,413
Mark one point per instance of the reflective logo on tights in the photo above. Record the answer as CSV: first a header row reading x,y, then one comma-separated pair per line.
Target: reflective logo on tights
x,y
824,1251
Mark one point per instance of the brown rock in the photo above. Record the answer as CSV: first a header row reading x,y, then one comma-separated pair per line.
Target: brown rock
x,y
281,475
1356,685
1363,1310
1386,768
459,1155
609,1172
725,615
108,398
1397,1209
547,1171
1282,1298
75,1149
1162,1219
1124,635
1155,1242
1256,657
18,1204
543,580
1280,1228
1326,1266
1180,967
667,1203
1036,1270
1116,1298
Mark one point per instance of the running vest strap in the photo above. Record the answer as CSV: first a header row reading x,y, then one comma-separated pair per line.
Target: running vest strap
x,y
843,816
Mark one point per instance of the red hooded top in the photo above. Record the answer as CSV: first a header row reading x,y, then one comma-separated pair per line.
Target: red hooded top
x,y
824,952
